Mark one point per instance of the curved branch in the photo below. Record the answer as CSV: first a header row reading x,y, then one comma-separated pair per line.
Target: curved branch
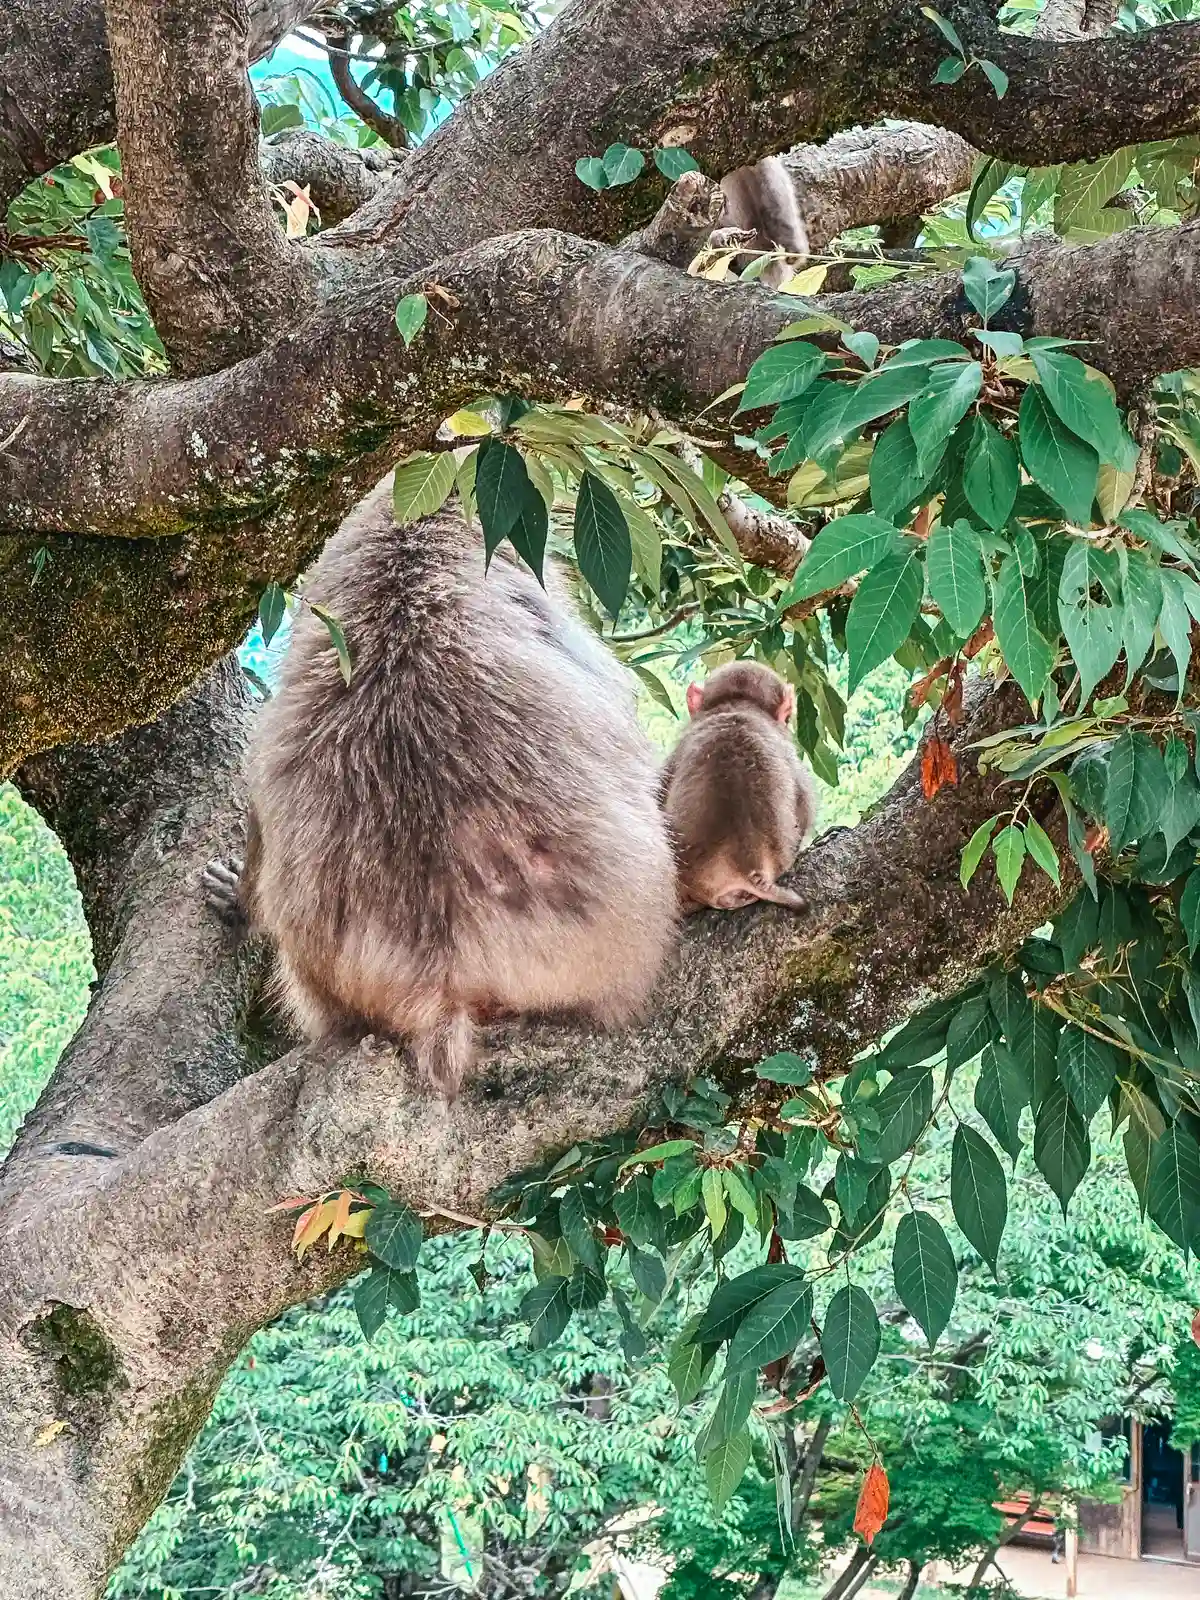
x,y
390,129
216,271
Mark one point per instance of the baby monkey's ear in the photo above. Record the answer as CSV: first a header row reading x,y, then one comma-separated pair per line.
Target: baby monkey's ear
x,y
695,698
787,706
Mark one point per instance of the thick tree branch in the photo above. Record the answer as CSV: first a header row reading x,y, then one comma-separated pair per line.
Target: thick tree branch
x,y
217,273
339,178
56,91
159,1261
876,174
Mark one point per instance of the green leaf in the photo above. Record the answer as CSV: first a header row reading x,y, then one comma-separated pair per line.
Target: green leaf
x,y
949,69
1061,1147
1026,651
995,76
577,1230
1092,629
725,1467
956,581
740,1197
394,1235
849,1340
547,1310
648,1272
712,1192
1061,463
528,533
410,316
622,164
1085,188
973,853
773,1328
1142,598
272,605
590,170
970,1029
1175,625
404,1294
842,549
782,372
883,392
501,482
278,117
897,481
978,1193
1087,1067
945,400
807,1217
1181,810
1136,791
990,474
1009,849
987,286
882,612
687,1370
1040,847
851,1180
945,27
674,162
1085,406
990,179
421,486
1173,1189
637,1215
371,1300
925,1272
1001,1091
1189,911
587,1289
602,543
863,345
658,1152
732,1299
903,1109
1076,929
337,637
785,1068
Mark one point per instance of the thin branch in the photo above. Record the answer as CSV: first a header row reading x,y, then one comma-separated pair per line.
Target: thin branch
x,y
390,129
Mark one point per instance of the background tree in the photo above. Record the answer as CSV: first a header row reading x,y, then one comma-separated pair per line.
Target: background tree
x,y
145,522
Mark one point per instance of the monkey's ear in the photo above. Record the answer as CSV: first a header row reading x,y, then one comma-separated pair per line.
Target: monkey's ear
x,y
695,698
787,706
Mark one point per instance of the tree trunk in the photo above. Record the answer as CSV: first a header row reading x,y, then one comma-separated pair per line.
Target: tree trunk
x,y
911,1582
807,1481
846,1581
1009,1534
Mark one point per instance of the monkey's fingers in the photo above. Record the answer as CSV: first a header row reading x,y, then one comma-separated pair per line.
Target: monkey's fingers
x,y
781,897
221,880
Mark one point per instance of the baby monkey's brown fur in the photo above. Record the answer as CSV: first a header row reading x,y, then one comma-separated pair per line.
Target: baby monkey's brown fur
x,y
737,798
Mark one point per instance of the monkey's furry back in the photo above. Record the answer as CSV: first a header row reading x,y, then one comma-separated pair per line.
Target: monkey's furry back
x,y
472,823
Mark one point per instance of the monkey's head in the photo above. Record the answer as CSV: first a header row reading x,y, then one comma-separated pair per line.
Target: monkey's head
x,y
744,682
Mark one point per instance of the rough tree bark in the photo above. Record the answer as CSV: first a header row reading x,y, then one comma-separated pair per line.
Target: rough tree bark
x,y
136,1254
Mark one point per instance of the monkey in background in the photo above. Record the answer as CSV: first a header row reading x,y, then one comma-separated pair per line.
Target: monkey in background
x,y
471,828
762,200
738,800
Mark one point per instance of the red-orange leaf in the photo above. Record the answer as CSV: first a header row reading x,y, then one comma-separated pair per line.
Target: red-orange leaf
x,y
938,767
1196,1328
872,1503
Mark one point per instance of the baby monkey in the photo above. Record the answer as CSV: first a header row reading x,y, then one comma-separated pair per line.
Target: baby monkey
x,y
761,200
735,794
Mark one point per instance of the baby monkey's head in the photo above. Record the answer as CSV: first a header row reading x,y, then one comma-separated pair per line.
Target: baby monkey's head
x,y
743,682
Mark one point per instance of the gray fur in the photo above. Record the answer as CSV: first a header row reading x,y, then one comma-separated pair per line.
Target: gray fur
x,y
738,799
470,828
762,200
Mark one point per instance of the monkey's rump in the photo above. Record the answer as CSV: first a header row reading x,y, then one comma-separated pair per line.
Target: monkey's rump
x,y
472,823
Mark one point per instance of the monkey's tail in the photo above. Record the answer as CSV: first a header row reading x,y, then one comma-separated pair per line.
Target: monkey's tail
x,y
445,1052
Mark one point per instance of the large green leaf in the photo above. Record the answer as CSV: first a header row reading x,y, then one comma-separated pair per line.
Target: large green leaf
x,y
945,400
393,1235
1027,652
501,480
637,1214
1008,847
1085,188
972,1027
725,1467
1087,1067
897,480
849,1340
1001,1090
990,474
1061,1147
602,543
547,1311
886,391
956,580
782,372
882,612
1175,624
1136,791
1173,1189
1086,407
1142,597
1092,628
421,486
772,1328
925,1272
842,549
978,1192
732,1299
1057,459
732,1407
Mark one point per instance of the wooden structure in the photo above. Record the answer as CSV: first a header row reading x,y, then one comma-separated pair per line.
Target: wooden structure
x,y
1158,1513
